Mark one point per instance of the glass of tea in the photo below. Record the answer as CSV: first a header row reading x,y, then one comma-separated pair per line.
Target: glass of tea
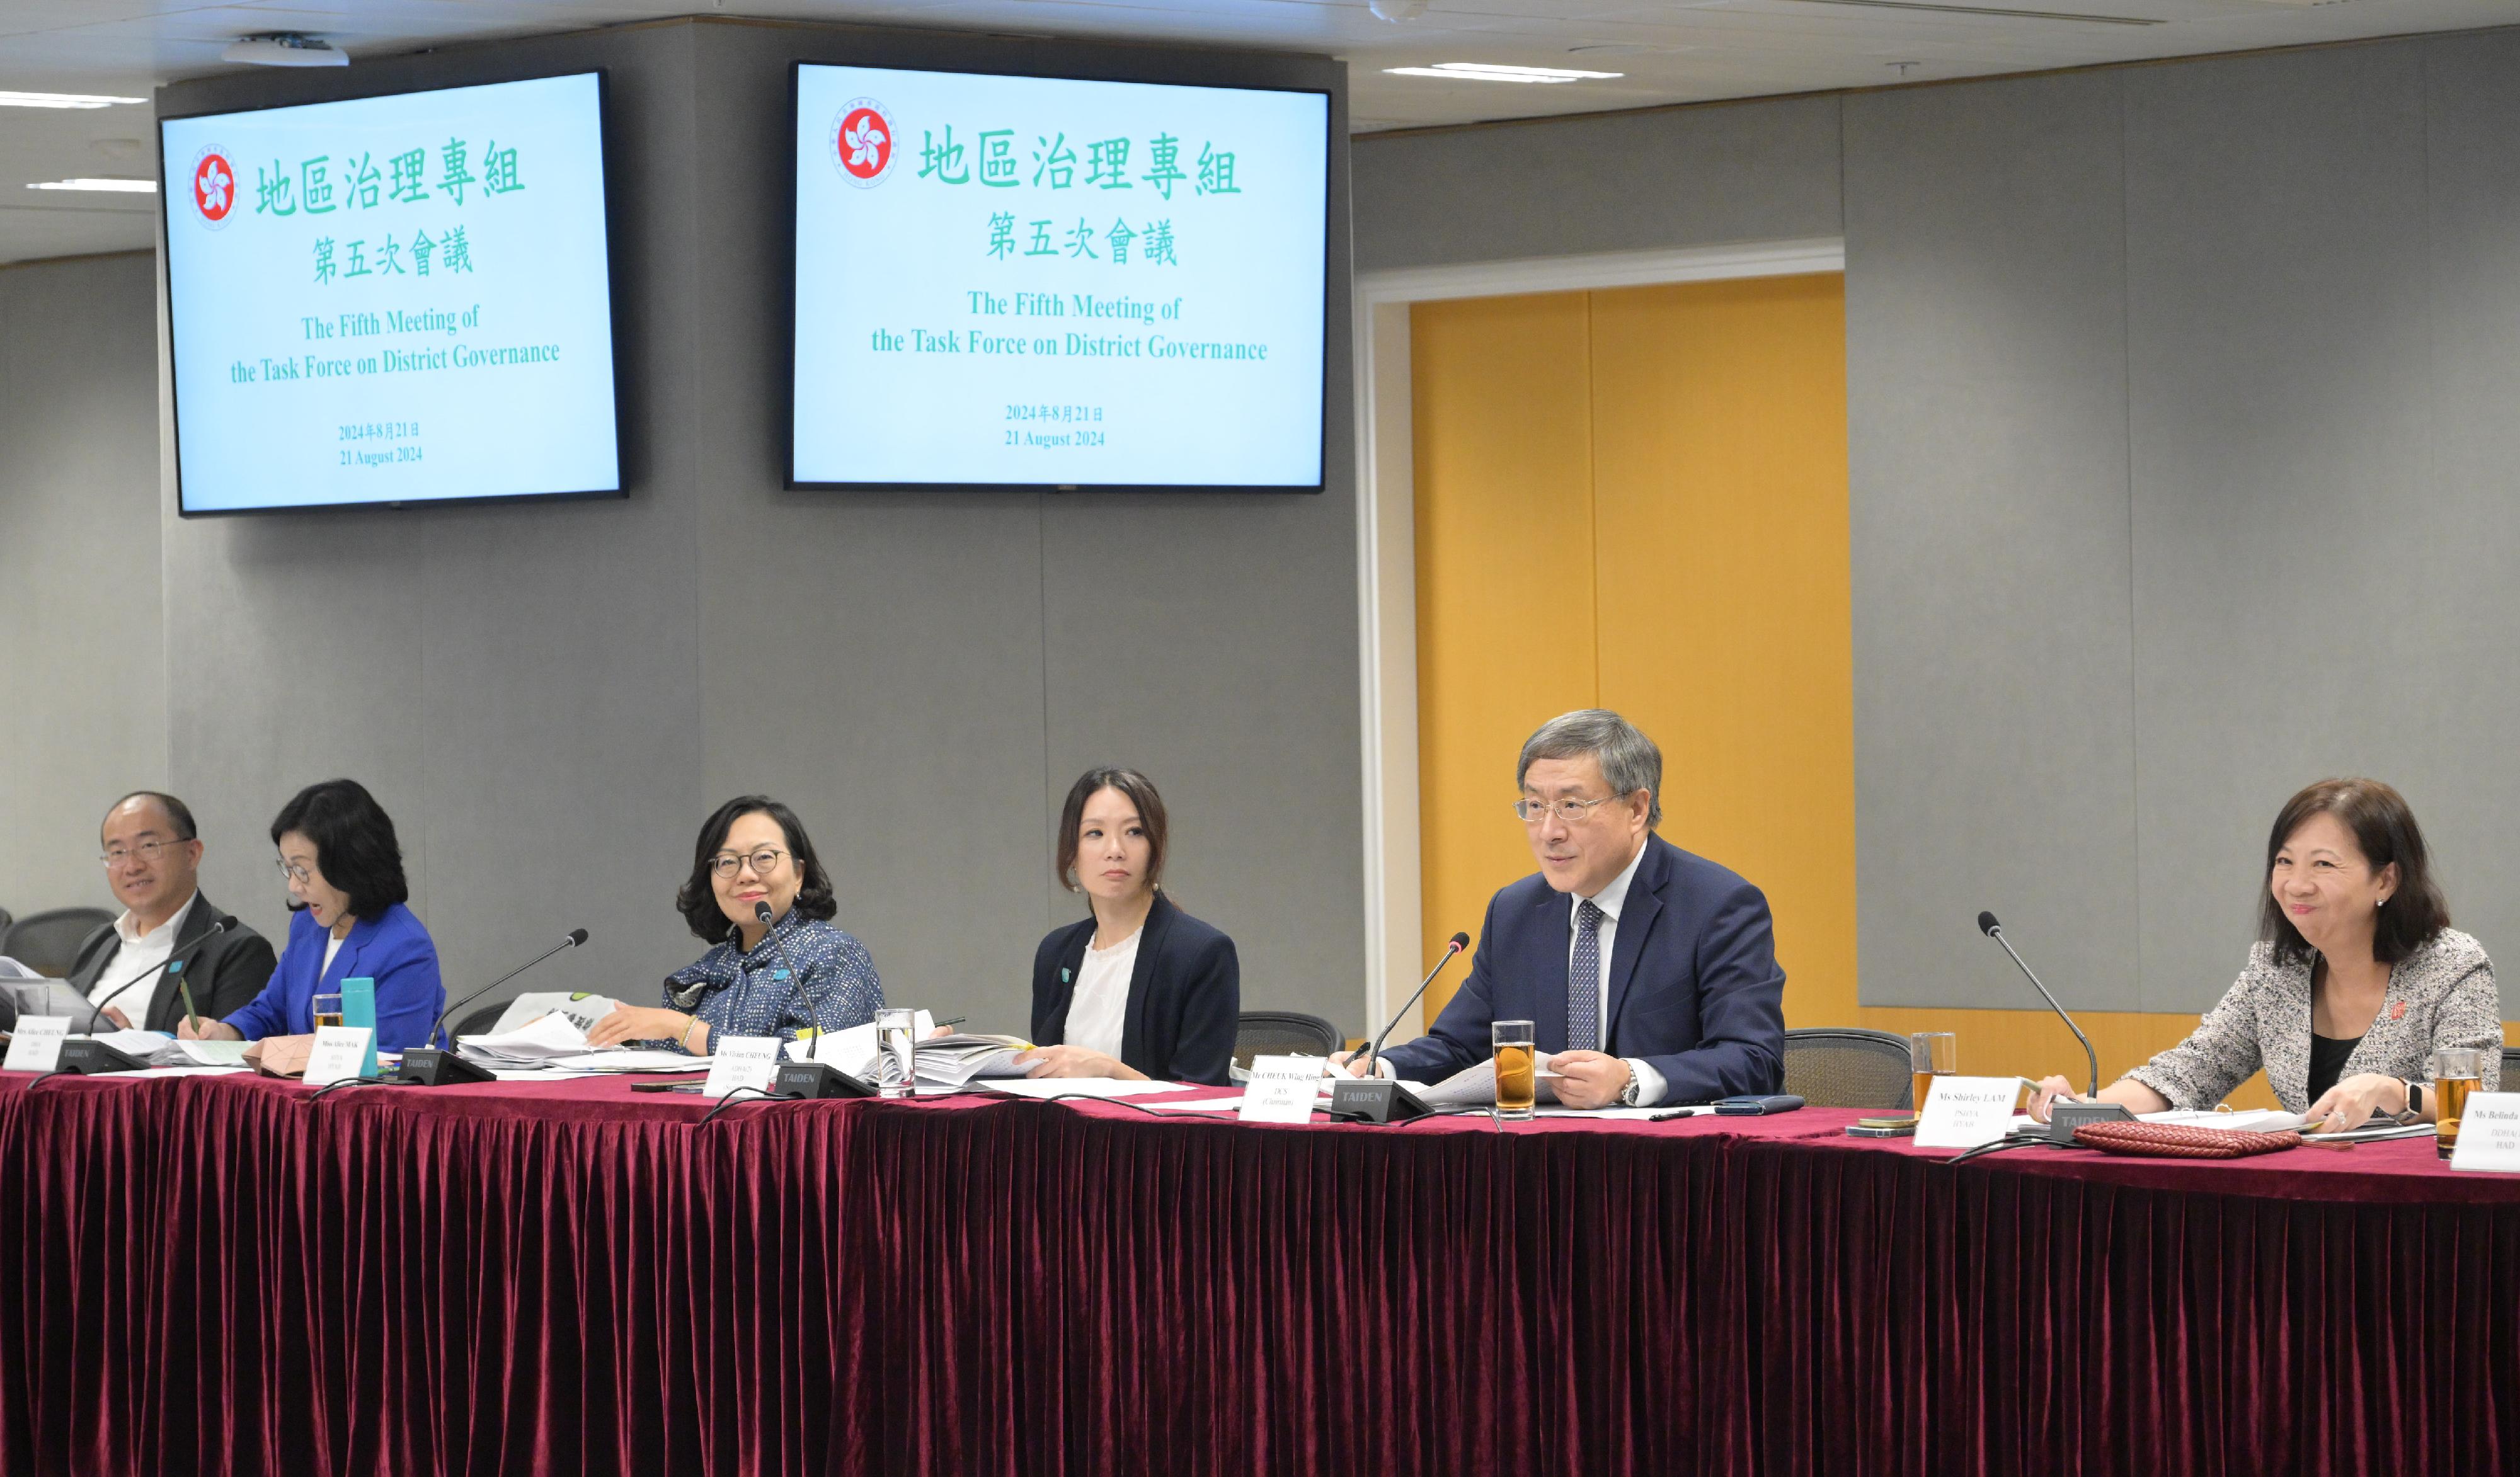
x,y
1518,1081
2456,1073
328,1010
1931,1054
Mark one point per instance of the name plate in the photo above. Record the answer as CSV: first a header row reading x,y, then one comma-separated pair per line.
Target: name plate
x,y
36,1046
2489,1133
741,1062
1963,1112
1282,1089
341,1052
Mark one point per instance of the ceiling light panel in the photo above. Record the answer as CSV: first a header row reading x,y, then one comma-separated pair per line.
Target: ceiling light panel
x,y
1486,71
79,101
100,186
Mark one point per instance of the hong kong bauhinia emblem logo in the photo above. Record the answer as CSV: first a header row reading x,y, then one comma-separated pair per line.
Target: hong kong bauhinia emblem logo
x,y
861,141
214,187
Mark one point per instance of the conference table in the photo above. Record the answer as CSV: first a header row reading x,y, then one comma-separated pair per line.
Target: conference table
x,y
225,1273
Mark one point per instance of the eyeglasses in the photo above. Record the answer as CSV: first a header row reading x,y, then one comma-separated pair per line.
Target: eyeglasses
x,y
146,851
764,862
1572,812
296,874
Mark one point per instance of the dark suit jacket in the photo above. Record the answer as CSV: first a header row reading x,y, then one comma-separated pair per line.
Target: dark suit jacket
x,y
1185,995
226,973
1695,987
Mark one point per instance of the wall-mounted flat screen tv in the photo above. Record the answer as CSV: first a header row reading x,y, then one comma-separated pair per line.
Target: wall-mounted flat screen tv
x,y
1051,282
394,299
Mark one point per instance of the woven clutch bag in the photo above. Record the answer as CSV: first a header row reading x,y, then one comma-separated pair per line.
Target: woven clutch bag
x,y
2180,1140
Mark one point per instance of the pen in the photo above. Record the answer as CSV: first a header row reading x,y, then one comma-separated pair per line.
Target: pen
x,y
192,1016
955,1021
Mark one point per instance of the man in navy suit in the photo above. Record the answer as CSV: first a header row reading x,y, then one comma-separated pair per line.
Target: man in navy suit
x,y
1648,973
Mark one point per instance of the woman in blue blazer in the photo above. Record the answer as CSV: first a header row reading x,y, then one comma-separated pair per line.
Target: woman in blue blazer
x,y
347,888
1139,988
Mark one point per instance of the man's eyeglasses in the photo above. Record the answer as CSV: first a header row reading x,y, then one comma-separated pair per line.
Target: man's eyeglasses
x,y
1572,812
763,862
145,851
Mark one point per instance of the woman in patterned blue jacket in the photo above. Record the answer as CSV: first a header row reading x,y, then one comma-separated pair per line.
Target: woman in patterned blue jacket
x,y
754,853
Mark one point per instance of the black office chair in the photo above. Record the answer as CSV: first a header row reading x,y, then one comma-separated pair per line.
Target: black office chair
x,y
1849,1066
48,942
479,1022
1282,1033
2510,1059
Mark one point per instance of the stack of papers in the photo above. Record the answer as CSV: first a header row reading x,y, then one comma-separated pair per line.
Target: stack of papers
x,y
953,1062
533,1005
532,1044
159,1050
2276,1121
555,1042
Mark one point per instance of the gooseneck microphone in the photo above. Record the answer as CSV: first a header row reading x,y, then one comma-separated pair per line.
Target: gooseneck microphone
x,y
770,922
809,1078
1987,925
83,1057
175,961
429,1066
1458,943
1370,1099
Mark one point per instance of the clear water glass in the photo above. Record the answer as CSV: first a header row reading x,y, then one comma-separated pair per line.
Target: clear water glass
x,y
896,1061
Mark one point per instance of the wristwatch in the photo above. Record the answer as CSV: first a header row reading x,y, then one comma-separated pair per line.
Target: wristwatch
x,y
1628,1093
2415,1098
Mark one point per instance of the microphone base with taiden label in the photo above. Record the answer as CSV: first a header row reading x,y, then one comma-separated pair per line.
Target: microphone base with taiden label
x,y
818,1079
84,1058
430,1067
1361,1099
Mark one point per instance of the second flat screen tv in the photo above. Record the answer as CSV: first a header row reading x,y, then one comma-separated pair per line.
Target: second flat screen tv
x,y
1021,280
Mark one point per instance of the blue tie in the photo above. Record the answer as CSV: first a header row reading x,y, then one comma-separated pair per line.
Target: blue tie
x,y
1584,981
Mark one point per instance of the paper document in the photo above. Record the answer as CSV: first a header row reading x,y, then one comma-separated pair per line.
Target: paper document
x,y
1203,1106
529,1044
953,1062
853,1050
2246,1120
2276,1121
1474,1086
628,1059
578,1005
10,968
1085,1086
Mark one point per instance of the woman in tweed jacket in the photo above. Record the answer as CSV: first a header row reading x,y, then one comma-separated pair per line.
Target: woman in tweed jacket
x,y
2356,979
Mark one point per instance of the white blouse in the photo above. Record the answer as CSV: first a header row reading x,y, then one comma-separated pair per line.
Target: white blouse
x,y
1098,1013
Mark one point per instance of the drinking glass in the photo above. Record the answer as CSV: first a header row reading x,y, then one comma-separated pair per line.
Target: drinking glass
x,y
1518,1081
896,1035
1931,1054
328,1010
2456,1073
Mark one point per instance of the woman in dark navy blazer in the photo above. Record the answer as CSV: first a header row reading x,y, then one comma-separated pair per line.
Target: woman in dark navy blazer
x,y
1139,989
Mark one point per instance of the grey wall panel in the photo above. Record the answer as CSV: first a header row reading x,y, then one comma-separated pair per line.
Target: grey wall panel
x,y
2287,514
82,655
1619,182
2472,186
1986,378
294,653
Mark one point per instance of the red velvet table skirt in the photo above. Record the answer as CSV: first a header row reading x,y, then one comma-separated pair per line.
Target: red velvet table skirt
x,y
219,1274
